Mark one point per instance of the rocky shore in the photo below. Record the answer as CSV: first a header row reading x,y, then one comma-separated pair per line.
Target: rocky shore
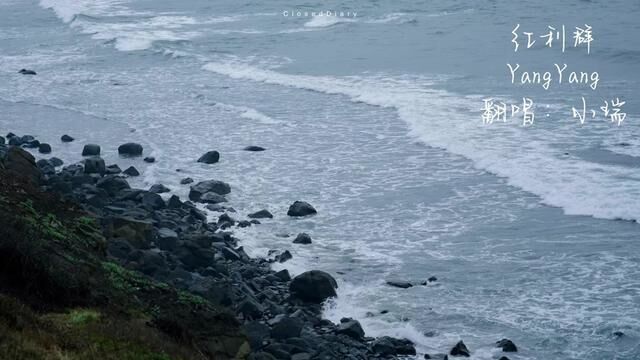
x,y
78,238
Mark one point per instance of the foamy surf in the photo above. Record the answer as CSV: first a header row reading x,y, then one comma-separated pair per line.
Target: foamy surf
x,y
576,186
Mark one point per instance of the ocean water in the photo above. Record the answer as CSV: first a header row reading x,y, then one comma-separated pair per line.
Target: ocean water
x,y
376,119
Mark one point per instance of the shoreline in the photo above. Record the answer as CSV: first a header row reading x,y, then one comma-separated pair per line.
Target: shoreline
x,y
172,242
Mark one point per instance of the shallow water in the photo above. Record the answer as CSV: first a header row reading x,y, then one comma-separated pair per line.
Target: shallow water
x,y
376,121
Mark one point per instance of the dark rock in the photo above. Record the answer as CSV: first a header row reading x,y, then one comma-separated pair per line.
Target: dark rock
x,y
507,345
262,214
131,171
400,284
174,202
302,238
44,148
20,162
388,346
210,157
91,150
244,224
15,141
203,187
186,181
66,138
250,309
2,141
254,148
287,327
504,358
351,328
152,200
159,189
432,279
167,239
113,184
618,334
301,208
151,262
313,286
27,72
94,165
285,256
130,149
283,275
257,333
212,198
460,349
55,162
113,169
150,159
30,144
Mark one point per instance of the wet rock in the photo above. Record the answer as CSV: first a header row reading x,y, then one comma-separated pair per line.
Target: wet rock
x,y
388,346
91,150
2,141
44,148
167,239
186,181
257,333
250,309
283,275
149,159
460,349
152,201
159,189
287,327
432,279
504,358
302,238
507,345
131,171
285,256
55,162
30,144
262,214
618,334
174,202
66,138
301,208
203,187
313,286
351,328
399,284
94,165
112,184
254,148
210,157
130,149
27,72
113,169
212,198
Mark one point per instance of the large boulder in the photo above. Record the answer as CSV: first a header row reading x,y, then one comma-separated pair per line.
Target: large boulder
x,y
301,208
388,346
94,165
287,327
210,157
262,214
113,184
130,149
313,286
507,345
203,187
20,162
131,171
302,238
351,328
91,150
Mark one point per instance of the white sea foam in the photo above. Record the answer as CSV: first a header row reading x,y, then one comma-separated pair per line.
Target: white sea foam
x,y
452,122
327,21
68,9
248,113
